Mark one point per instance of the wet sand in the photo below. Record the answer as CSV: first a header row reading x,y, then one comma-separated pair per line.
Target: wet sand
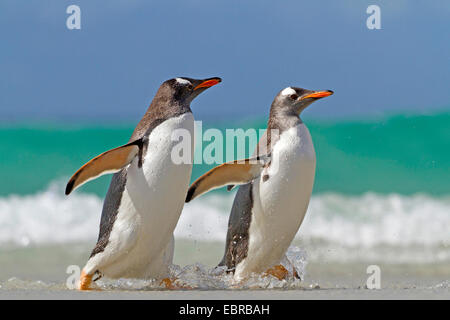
x,y
40,273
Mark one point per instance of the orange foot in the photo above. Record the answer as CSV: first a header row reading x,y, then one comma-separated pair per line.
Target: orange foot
x,y
170,284
85,281
278,272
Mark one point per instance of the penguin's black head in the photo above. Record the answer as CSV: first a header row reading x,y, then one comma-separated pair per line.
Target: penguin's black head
x,y
185,90
295,100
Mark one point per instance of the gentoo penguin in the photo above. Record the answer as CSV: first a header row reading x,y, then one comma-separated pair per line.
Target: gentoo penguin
x,y
276,186
147,192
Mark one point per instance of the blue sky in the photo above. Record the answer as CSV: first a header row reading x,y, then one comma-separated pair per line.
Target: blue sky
x,y
111,68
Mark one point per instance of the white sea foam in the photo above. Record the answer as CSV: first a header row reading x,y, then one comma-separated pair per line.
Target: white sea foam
x,y
345,225
49,217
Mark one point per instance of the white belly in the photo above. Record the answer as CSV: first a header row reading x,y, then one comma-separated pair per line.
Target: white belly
x,y
280,203
141,241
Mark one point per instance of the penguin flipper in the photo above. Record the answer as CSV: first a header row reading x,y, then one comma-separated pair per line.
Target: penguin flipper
x,y
234,173
108,162
231,187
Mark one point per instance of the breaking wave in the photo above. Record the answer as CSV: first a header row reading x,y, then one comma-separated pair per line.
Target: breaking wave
x,y
340,223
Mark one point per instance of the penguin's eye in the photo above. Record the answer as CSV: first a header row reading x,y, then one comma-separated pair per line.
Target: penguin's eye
x,y
190,86
293,96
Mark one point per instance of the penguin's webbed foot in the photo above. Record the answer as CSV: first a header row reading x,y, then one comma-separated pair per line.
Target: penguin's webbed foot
x,y
85,281
170,284
278,272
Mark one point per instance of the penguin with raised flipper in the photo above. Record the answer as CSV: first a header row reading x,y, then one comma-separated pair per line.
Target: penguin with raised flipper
x,y
275,190
147,192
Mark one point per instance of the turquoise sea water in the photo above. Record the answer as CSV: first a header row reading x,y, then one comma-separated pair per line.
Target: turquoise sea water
x,y
398,154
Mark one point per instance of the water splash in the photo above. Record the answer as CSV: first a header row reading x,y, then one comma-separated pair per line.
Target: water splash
x,y
295,261
443,285
200,277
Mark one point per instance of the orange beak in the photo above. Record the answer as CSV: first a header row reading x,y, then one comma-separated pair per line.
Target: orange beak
x,y
319,94
208,83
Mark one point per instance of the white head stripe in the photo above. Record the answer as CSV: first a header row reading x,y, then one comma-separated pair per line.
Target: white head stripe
x,y
288,91
183,81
